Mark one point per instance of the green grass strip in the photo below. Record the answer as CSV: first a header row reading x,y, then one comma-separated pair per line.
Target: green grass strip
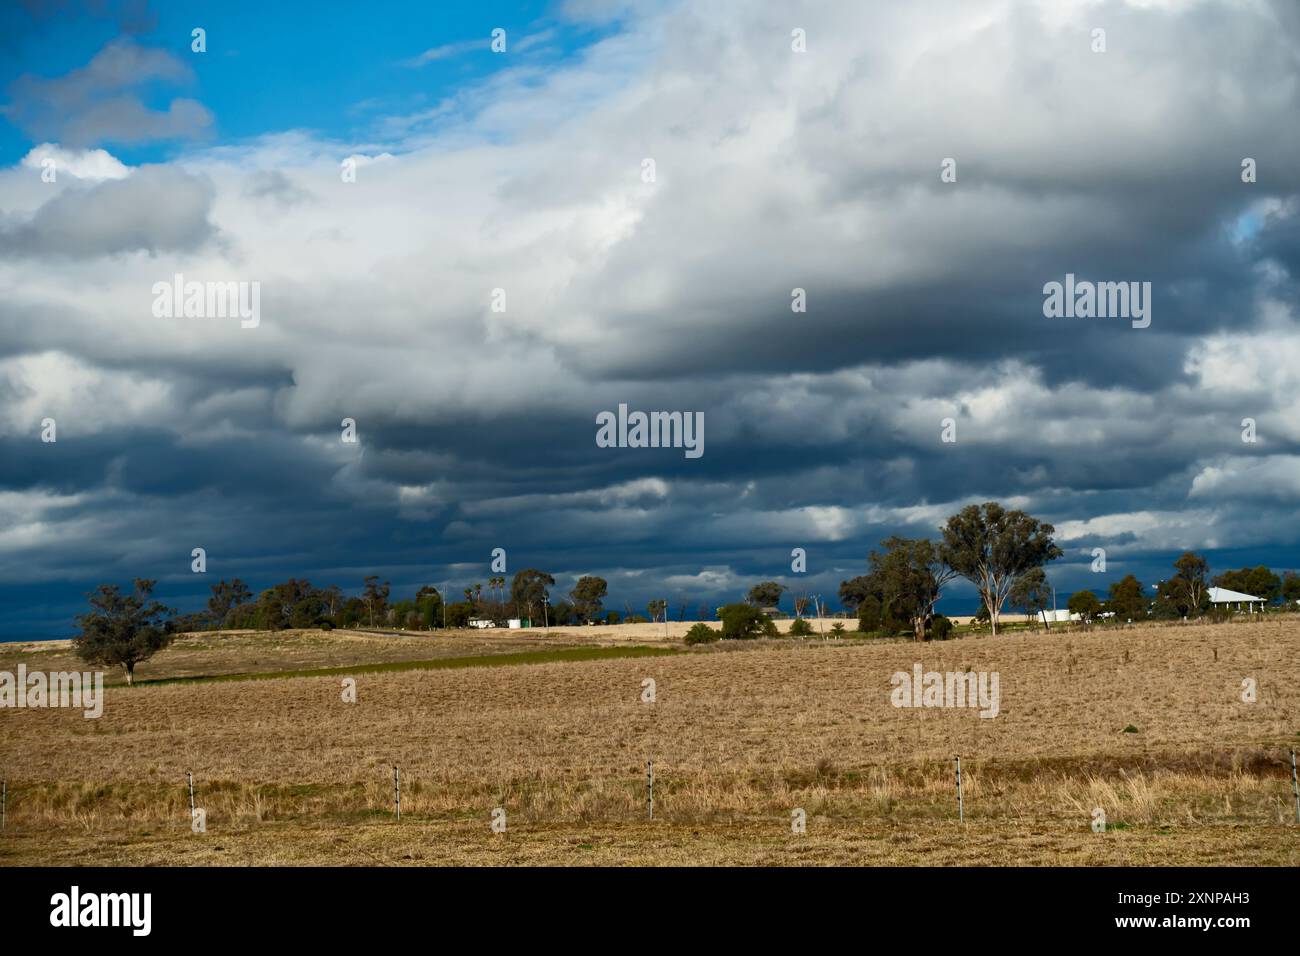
x,y
559,655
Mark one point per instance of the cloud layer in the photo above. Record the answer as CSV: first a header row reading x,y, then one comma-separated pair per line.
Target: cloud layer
x,y
774,170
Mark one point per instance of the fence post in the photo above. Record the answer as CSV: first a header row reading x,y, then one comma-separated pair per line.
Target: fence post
x,y
961,810
1295,787
4,800
650,788
397,792
190,777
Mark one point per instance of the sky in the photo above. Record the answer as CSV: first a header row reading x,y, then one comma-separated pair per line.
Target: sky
x,y
794,146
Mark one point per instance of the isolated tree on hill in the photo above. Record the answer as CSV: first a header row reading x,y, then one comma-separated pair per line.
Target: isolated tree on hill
x,y
909,577
766,594
1127,599
991,547
375,597
227,595
587,595
1188,585
1031,593
123,629
528,590
656,608
1085,604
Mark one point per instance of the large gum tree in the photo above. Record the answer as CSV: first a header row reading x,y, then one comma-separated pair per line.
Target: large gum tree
x,y
992,546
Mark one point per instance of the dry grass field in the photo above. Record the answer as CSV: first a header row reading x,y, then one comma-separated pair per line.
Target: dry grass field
x,y
740,735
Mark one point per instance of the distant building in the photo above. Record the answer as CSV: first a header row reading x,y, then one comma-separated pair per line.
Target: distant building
x,y
1222,596
481,622
1058,617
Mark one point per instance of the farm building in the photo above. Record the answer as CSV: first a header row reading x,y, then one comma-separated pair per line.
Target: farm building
x,y
1221,597
1059,617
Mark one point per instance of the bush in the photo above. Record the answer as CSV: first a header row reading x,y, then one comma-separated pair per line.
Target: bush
x,y
837,629
701,633
940,628
744,622
800,628
636,619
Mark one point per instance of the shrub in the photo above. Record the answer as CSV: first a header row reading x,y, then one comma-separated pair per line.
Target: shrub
x,y
837,629
701,633
744,622
800,628
940,628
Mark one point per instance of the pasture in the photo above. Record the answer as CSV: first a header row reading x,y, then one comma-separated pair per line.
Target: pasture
x,y
1147,723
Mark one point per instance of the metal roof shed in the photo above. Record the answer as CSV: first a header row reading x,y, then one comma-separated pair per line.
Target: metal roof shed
x,y
1224,596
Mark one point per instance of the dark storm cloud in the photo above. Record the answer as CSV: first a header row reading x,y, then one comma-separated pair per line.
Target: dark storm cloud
x,y
822,429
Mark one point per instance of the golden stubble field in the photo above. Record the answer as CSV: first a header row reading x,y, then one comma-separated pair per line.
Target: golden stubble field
x,y
740,736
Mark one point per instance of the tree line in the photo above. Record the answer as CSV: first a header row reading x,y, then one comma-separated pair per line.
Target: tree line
x,y
1186,593
527,596
1001,551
